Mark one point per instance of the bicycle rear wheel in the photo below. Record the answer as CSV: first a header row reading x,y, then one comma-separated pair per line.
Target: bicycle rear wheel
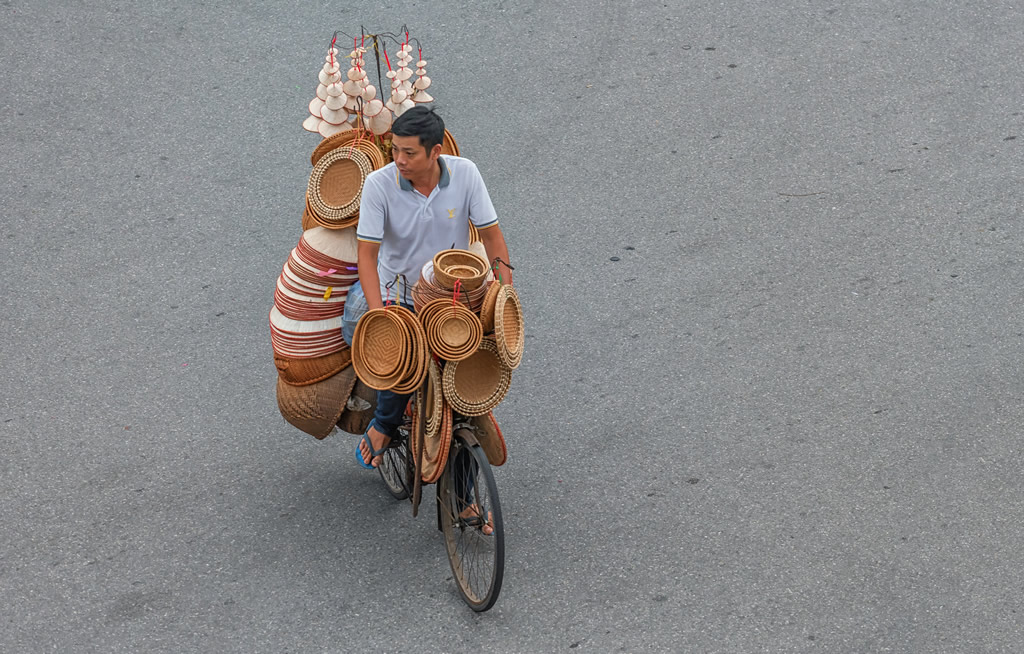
x,y
468,505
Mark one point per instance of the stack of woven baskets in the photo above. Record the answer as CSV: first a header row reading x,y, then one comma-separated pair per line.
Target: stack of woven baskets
x,y
472,328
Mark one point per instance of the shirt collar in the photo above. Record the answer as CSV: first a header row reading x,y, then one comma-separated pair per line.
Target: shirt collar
x,y
446,176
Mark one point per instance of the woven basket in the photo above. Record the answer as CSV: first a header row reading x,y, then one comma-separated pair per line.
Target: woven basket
x,y
478,383
448,145
487,307
433,403
333,143
303,372
315,408
508,326
463,265
435,450
336,183
453,332
491,440
380,348
418,356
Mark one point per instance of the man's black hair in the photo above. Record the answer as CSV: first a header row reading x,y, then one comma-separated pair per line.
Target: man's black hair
x,y
422,122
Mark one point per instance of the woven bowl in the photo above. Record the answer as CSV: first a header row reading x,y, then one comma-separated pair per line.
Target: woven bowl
x,y
453,331
463,265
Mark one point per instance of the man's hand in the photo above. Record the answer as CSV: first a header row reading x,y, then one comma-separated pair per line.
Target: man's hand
x,y
494,243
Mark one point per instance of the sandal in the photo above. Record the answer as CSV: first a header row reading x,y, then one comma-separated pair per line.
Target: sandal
x,y
373,453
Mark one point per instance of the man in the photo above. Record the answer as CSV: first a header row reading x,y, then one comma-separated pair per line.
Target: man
x,y
410,210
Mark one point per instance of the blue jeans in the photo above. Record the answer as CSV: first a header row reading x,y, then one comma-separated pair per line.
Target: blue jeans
x,y
390,406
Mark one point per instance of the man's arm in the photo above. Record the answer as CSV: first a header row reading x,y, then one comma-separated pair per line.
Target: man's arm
x,y
368,277
494,243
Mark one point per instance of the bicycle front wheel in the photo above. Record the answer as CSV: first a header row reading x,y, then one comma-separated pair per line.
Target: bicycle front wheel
x,y
470,519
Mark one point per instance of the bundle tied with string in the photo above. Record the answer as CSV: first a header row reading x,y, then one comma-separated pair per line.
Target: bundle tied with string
x,y
389,349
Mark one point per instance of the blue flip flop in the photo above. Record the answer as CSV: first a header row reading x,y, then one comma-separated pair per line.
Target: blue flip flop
x,y
373,453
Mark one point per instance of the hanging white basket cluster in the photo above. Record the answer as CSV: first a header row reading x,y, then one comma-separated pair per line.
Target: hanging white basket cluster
x,y
353,103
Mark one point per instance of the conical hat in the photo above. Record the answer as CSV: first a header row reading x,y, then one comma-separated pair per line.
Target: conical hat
x,y
342,245
312,124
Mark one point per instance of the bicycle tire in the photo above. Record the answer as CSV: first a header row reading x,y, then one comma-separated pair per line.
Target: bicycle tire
x,y
477,559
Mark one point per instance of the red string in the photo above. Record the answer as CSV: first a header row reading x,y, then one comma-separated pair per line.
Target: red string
x,y
455,296
331,51
388,61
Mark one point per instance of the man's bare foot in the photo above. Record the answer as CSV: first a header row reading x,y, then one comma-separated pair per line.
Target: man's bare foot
x,y
378,440
473,511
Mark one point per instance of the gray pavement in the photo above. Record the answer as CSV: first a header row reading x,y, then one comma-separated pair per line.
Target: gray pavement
x,y
770,256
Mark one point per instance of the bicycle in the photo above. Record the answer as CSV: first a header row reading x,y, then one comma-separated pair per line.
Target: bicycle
x,y
468,508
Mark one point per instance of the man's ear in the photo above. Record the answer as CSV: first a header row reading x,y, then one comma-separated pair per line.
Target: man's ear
x,y
435,151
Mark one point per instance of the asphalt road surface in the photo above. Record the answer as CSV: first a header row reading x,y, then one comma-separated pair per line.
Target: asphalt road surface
x,y
770,256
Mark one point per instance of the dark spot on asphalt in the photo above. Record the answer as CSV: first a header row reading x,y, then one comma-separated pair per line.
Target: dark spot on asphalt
x,y
220,314
732,66
709,49
675,152
954,276
630,247
1010,138
174,306
693,480
717,136
887,487
811,637
895,170
138,176
613,259
574,645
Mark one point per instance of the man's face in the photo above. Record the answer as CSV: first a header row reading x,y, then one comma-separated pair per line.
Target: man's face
x,y
412,159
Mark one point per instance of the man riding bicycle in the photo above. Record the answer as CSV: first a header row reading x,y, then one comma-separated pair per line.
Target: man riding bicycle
x,y
412,208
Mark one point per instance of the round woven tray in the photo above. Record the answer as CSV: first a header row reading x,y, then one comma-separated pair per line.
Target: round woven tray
x,y
508,326
336,183
478,383
380,347
487,307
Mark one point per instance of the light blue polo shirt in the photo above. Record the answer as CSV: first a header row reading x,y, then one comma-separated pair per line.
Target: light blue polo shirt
x,y
411,228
